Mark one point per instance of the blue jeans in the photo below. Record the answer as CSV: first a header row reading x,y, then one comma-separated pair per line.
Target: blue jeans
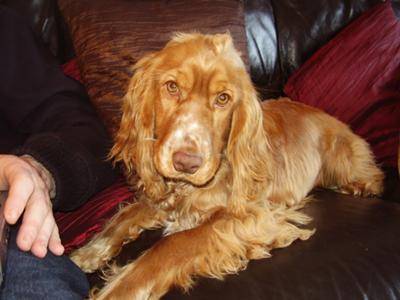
x,y
29,277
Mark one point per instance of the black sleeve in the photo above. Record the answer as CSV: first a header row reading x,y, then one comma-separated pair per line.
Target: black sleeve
x,y
64,133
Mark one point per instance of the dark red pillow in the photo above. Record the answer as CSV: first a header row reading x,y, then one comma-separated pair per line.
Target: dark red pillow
x,y
78,226
71,69
356,78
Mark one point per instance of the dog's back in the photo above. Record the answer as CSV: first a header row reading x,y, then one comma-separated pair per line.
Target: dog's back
x,y
311,148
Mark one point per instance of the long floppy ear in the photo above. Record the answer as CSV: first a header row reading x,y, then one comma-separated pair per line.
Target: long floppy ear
x,y
247,151
135,138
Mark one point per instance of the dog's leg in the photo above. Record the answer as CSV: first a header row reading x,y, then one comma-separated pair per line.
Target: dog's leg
x,y
350,167
125,226
222,245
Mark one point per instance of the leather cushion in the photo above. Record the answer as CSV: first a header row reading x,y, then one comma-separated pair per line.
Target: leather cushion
x,y
354,254
110,36
356,77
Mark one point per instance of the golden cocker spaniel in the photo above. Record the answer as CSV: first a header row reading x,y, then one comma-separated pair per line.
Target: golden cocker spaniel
x,y
223,173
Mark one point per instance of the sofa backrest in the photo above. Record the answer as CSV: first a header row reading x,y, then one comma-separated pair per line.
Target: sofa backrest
x,y
281,34
47,23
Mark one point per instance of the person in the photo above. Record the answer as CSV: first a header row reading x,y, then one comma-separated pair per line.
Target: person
x,y
53,151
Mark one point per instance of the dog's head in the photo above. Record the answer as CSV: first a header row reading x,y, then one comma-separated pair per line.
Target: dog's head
x,y
187,107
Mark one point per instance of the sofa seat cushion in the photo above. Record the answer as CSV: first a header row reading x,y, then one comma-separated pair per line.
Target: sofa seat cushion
x,y
354,254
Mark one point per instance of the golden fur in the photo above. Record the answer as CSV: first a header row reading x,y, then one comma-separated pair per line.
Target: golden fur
x,y
258,163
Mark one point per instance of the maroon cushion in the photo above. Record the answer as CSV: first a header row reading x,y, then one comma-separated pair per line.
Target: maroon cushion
x,y
71,69
356,78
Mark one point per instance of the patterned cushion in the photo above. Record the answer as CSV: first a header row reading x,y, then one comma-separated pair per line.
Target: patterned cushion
x,y
109,36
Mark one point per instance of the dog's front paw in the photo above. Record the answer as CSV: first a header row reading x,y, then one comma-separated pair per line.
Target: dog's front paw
x,y
88,259
143,293
149,277
147,291
132,286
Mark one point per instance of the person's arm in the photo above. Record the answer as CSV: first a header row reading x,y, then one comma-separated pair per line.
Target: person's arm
x,y
64,132
64,136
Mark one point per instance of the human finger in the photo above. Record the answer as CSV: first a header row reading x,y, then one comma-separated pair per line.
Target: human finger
x,y
36,210
40,244
21,188
55,244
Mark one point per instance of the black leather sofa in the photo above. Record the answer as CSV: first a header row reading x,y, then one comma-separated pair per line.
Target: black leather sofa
x,y
355,253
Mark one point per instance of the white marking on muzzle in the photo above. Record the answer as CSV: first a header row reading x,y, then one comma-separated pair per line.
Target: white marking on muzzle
x,y
187,132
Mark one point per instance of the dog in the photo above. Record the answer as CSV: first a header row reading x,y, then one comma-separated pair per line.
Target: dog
x,y
223,173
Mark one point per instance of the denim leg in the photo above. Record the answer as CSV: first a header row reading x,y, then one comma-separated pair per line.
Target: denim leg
x,y
29,277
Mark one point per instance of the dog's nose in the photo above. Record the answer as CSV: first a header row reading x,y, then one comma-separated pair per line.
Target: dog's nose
x,y
186,162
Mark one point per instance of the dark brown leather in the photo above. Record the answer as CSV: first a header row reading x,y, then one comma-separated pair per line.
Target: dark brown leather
x,y
354,254
262,45
283,34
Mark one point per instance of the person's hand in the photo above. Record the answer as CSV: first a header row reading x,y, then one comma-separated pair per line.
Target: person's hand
x,y
30,187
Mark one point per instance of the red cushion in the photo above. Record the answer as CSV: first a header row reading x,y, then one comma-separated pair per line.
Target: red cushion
x,y
78,226
71,69
356,78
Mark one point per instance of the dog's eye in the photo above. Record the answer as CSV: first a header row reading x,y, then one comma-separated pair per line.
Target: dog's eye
x,y
172,87
223,99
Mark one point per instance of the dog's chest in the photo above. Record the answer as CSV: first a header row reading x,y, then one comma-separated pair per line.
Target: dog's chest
x,y
188,210
175,223
182,216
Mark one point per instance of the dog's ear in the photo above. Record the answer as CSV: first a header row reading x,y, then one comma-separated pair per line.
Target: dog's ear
x,y
135,138
247,150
